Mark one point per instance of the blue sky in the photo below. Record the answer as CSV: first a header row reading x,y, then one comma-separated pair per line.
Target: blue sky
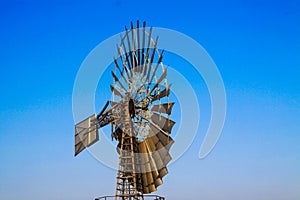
x,y
255,45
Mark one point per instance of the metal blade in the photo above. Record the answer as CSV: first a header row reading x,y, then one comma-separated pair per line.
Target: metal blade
x,y
154,48
129,48
155,86
151,59
138,39
116,79
143,43
147,52
161,94
164,108
117,92
135,64
156,128
125,50
160,137
163,76
118,67
154,159
123,63
164,123
156,67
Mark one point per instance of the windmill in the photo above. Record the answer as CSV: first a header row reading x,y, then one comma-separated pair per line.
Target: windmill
x,y
139,115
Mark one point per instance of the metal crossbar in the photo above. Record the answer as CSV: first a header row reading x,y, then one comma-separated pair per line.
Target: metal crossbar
x,y
152,197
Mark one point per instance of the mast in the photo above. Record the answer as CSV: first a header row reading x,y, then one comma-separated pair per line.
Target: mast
x,y
126,186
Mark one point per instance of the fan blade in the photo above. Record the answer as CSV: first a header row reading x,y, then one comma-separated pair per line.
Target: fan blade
x,y
157,83
129,48
138,39
143,43
150,66
121,72
156,67
160,137
122,60
160,153
125,50
117,92
151,59
117,65
164,123
159,80
163,172
163,108
116,79
152,167
154,48
166,141
147,52
161,94
145,165
135,64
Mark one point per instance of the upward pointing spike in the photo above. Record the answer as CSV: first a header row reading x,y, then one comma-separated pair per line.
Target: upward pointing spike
x,y
138,41
131,24
143,43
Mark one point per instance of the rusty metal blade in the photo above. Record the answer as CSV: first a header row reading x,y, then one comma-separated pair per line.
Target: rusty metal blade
x,y
163,122
138,40
129,48
117,92
143,43
163,76
161,94
163,108
117,80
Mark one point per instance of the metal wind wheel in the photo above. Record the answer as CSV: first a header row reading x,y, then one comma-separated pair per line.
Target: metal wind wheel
x,y
139,114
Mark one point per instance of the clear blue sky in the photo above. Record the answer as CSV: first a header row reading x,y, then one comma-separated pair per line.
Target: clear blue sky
x,y
255,44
